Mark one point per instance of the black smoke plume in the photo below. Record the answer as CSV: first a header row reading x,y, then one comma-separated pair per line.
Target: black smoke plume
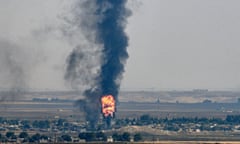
x,y
98,60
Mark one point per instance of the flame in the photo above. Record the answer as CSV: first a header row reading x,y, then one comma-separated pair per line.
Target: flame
x,y
108,105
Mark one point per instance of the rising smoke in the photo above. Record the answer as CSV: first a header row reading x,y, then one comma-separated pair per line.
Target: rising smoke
x,y
13,71
97,62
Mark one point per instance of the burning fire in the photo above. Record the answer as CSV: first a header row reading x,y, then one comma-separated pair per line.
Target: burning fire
x,y
108,105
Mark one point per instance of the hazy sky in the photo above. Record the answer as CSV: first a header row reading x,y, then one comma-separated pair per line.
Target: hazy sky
x,y
174,44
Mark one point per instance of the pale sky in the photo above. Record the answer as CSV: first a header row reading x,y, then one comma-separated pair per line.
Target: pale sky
x,y
173,44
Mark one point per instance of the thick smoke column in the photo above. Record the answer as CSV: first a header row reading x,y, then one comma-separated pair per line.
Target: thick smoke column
x,y
103,24
111,34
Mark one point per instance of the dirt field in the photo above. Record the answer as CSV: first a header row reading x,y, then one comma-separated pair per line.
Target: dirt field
x,y
190,142
67,110
169,142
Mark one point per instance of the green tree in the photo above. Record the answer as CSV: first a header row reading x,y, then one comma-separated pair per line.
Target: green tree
x,y
66,138
41,124
36,137
44,137
145,119
82,135
26,124
116,137
23,135
10,134
233,119
126,136
101,136
60,122
12,122
137,137
90,136
207,101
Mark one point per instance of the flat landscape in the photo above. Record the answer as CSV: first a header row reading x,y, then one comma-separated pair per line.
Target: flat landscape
x,y
30,109
54,106
131,104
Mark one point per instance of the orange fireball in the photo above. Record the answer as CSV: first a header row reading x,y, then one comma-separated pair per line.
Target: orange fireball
x,y
108,105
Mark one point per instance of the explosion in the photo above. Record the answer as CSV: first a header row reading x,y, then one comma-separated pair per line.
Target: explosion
x,y
108,105
97,63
